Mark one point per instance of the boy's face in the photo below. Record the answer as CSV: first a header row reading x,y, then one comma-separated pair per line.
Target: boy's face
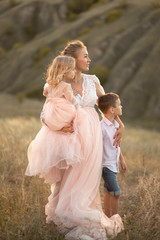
x,y
118,108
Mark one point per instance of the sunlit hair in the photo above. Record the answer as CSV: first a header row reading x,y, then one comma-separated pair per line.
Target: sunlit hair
x,y
57,69
106,101
72,49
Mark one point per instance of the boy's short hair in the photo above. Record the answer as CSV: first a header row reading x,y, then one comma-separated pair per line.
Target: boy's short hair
x,y
106,101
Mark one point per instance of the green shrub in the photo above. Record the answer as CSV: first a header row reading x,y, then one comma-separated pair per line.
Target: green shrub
x,y
97,23
17,45
101,72
122,29
61,42
75,7
20,97
71,16
9,29
113,15
84,31
154,5
2,52
36,93
30,29
42,53
123,5
12,3
98,3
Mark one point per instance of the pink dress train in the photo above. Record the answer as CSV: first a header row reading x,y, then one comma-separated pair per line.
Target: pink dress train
x,y
74,204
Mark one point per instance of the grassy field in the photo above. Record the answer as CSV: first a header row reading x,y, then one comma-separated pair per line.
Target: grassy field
x,y
22,199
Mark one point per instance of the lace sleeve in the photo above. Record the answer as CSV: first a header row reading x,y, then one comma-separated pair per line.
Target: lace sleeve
x,y
99,89
96,80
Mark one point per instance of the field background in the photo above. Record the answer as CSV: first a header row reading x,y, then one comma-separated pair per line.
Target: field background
x,y
122,37
22,198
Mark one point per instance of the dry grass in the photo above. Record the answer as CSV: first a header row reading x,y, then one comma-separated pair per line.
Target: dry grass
x,y
22,199
140,200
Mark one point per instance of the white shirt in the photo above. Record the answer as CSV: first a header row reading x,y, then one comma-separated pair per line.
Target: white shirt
x,y
110,152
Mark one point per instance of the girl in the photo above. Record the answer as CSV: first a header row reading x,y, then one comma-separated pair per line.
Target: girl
x,y
52,150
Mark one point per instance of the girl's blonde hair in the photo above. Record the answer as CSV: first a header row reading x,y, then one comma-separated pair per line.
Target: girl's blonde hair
x,y
59,66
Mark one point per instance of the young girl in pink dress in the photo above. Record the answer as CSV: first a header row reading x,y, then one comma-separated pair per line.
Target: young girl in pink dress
x,y
53,150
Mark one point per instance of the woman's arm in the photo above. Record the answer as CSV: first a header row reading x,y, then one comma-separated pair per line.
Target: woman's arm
x,y
118,134
99,90
121,125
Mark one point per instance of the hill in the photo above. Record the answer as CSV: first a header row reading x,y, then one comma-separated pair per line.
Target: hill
x,y
121,36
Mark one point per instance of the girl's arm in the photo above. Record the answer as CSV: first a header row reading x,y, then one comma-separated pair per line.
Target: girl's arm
x,y
68,93
46,89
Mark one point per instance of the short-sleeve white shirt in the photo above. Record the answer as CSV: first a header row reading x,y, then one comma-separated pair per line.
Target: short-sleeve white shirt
x,y
110,152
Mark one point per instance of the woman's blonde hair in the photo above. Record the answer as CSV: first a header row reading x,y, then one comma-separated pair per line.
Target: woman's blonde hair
x,y
72,49
59,66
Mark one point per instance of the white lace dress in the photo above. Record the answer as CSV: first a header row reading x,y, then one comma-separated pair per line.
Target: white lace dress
x,y
74,204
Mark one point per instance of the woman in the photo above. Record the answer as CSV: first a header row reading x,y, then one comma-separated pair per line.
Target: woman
x,y
74,205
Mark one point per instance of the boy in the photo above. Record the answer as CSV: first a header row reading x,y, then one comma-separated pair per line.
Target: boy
x,y
110,106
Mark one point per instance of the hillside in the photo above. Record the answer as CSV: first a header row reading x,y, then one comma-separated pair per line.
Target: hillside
x,y
122,36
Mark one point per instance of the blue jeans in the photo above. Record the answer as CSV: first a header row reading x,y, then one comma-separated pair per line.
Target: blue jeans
x,y
110,182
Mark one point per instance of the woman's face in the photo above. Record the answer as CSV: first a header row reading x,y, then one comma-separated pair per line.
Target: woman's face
x,y
82,61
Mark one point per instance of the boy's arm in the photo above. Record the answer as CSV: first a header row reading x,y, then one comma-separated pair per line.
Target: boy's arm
x,y
122,163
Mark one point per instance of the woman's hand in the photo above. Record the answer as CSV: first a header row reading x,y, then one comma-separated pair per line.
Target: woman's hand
x,y
68,128
118,136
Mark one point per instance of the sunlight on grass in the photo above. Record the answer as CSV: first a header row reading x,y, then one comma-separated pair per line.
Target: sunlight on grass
x,y
22,199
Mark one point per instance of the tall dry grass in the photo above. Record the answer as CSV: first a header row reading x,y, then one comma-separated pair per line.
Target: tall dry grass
x,y
22,199
140,200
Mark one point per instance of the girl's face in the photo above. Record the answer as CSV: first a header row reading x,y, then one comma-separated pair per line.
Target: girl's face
x,y
71,74
83,61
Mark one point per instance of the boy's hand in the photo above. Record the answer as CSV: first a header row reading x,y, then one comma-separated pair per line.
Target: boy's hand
x,y
123,167
122,163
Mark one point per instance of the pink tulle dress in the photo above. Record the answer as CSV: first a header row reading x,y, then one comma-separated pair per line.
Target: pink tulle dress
x,y
53,150
74,204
